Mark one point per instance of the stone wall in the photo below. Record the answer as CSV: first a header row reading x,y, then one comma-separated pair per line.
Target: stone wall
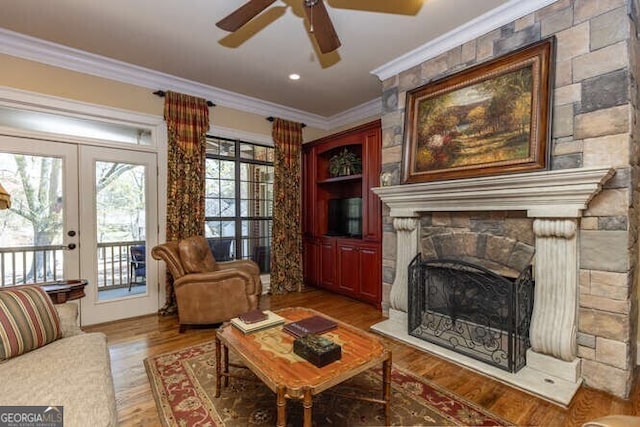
x,y
594,124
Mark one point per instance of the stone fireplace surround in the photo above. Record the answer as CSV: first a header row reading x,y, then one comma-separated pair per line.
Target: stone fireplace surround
x,y
555,200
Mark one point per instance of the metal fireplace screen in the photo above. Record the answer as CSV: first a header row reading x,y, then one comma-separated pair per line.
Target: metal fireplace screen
x,y
471,310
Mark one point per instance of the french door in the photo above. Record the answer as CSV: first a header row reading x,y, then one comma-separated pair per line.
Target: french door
x,y
118,219
81,211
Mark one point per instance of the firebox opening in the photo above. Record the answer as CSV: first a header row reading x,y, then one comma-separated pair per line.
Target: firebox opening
x,y
471,310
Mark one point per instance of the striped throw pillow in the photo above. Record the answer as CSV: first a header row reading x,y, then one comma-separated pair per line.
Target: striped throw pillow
x,y
28,320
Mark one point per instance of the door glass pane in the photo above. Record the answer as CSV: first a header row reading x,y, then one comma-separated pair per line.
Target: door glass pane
x,y
31,248
120,220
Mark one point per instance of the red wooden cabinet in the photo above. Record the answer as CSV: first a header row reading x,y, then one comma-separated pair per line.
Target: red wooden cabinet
x,y
346,260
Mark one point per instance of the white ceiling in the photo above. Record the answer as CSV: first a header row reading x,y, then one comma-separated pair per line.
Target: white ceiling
x,y
179,38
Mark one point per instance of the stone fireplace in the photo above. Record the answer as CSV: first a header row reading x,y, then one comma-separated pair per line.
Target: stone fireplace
x,y
555,201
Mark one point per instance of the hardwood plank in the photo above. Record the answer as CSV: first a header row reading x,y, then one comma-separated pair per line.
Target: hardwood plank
x,y
132,340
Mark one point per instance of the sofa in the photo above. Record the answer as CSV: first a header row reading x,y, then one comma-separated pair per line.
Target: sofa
x,y
72,371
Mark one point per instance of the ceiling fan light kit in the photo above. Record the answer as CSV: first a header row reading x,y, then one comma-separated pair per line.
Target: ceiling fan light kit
x,y
320,24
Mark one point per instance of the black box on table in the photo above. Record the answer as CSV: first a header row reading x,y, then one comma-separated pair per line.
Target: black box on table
x,y
318,350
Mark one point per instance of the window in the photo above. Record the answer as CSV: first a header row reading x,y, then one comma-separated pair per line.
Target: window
x,y
239,200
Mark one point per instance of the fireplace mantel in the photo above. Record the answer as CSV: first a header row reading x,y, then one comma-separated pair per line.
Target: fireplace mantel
x,y
556,200
562,193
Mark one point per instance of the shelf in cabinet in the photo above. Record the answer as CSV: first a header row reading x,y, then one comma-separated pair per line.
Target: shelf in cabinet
x,y
345,178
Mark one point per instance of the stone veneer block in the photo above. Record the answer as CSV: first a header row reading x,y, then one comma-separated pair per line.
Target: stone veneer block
x,y
567,161
517,40
612,353
567,94
613,223
433,69
570,146
604,377
601,61
558,21
610,150
605,91
603,324
410,79
586,353
572,42
611,121
524,22
553,8
609,285
389,246
610,202
563,120
605,304
499,249
609,28
468,52
564,73
587,9
484,45
392,154
586,340
589,223
604,250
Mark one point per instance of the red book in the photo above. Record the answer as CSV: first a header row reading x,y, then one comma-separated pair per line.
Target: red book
x,y
253,316
310,325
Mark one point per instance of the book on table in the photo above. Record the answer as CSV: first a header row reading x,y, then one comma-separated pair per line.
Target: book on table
x,y
272,320
253,316
309,325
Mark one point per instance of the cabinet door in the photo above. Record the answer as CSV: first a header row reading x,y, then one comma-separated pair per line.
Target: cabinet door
x,y
310,261
327,271
348,268
370,274
371,205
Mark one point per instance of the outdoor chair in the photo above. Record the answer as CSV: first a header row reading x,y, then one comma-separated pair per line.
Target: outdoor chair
x,y
137,264
208,292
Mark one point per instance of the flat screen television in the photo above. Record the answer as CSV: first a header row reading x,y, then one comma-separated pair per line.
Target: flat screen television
x,y
345,217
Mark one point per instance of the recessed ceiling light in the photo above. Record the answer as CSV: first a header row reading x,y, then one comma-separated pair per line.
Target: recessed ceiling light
x,y
294,76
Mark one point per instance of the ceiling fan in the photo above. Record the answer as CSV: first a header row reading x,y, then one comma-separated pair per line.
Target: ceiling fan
x,y
320,24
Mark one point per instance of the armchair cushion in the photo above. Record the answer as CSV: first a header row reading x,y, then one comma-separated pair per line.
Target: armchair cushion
x,y
28,320
196,256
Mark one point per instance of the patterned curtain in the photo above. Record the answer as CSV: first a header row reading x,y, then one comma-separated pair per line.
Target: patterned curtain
x,y
286,240
187,120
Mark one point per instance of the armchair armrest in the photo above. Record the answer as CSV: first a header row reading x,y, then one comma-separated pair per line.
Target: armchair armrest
x,y
242,264
68,314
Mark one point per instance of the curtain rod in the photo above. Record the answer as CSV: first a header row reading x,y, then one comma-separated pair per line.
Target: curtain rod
x,y
271,118
162,93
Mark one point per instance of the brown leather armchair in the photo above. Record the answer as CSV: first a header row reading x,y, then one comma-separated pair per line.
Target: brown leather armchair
x,y
208,292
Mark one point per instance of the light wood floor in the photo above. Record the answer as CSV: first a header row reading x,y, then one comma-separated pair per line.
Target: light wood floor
x,y
133,340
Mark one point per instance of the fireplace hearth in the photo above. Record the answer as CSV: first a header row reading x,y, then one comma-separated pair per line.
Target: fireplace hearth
x,y
471,310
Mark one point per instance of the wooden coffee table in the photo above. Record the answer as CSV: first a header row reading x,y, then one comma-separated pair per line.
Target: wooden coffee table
x,y
269,355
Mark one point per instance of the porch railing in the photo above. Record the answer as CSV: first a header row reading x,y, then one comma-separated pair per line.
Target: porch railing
x,y
38,264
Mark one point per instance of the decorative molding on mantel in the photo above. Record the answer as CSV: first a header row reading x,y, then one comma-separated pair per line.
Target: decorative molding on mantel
x,y
495,18
561,193
57,55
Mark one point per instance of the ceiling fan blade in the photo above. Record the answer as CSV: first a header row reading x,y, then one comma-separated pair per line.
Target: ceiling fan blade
x,y
243,14
323,30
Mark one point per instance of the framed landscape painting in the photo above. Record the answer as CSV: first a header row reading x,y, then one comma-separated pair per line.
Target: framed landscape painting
x,y
490,119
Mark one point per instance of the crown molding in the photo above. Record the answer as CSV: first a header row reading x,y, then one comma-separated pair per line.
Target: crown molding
x,y
495,18
34,49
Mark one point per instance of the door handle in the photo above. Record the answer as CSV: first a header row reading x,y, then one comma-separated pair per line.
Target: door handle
x,y
71,246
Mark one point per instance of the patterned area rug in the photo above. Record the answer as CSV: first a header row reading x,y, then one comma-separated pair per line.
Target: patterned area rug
x,y
183,384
